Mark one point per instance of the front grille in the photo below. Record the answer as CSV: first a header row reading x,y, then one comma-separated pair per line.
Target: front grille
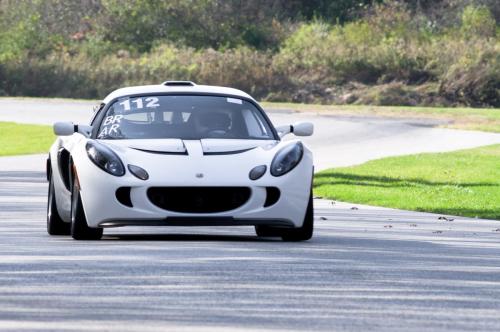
x,y
199,199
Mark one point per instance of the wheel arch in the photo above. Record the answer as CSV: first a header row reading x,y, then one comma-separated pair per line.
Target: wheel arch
x,y
64,161
48,168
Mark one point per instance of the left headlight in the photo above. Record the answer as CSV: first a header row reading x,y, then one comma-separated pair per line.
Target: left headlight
x,y
286,159
105,158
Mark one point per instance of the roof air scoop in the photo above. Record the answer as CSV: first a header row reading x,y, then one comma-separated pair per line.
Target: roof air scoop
x,y
178,83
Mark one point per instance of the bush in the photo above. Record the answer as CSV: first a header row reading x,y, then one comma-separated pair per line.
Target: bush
x,y
139,25
478,21
79,76
395,54
392,49
474,79
381,48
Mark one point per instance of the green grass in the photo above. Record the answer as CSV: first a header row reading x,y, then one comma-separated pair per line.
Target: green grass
x,y
16,139
484,119
464,183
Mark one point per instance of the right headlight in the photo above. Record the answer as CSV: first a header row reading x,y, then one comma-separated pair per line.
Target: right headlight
x,y
286,159
105,158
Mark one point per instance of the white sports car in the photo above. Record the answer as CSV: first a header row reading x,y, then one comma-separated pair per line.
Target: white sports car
x,y
179,154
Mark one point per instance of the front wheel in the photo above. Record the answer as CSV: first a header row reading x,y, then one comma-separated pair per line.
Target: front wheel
x,y
305,232
79,227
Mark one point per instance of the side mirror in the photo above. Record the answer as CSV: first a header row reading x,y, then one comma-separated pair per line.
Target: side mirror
x,y
68,129
299,129
64,128
303,129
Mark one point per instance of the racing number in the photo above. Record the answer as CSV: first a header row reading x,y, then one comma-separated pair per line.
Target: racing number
x,y
151,102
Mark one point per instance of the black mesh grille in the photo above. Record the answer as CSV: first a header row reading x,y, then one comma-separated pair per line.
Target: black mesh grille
x,y
199,199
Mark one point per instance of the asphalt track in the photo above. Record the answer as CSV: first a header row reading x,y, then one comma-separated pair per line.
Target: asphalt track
x,y
365,269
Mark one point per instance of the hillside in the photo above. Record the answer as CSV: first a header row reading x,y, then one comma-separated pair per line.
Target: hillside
x,y
415,52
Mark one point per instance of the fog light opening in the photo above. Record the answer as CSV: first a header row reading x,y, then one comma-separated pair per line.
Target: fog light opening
x,y
257,172
138,172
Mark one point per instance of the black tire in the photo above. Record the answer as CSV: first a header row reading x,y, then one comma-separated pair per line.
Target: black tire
x,y
267,231
79,227
305,232
55,225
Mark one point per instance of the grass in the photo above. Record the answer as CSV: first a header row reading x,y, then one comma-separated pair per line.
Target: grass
x,y
16,139
483,119
464,183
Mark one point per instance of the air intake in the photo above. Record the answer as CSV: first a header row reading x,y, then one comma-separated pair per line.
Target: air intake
x,y
178,83
272,196
123,196
199,199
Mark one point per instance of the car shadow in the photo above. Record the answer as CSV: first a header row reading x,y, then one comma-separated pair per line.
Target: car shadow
x,y
187,238
339,178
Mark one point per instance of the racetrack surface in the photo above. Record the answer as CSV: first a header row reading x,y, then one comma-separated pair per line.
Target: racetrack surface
x,y
337,141
365,269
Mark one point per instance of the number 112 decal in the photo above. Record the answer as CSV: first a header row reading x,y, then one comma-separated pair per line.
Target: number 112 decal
x,y
151,102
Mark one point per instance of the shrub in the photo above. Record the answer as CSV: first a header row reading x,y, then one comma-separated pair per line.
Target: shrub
x,y
474,79
391,94
392,55
380,49
64,75
391,48
478,21
141,24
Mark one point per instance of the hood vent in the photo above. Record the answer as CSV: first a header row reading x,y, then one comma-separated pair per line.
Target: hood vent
x,y
219,153
158,146
178,83
178,153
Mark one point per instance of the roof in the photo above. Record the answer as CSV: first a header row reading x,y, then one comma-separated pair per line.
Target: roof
x,y
160,88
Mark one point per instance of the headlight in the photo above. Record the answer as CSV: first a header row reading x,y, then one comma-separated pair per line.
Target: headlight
x,y
286,159
105,158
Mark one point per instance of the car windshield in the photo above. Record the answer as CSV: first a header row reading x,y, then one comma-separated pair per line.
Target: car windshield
x,y
184,117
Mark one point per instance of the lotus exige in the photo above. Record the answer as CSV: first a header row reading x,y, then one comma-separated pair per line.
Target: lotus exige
x,y
179,154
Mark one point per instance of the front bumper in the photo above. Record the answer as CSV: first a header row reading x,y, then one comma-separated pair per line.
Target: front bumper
x,y
103,209
199,221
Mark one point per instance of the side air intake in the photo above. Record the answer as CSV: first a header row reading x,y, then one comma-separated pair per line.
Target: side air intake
x,y
178,83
